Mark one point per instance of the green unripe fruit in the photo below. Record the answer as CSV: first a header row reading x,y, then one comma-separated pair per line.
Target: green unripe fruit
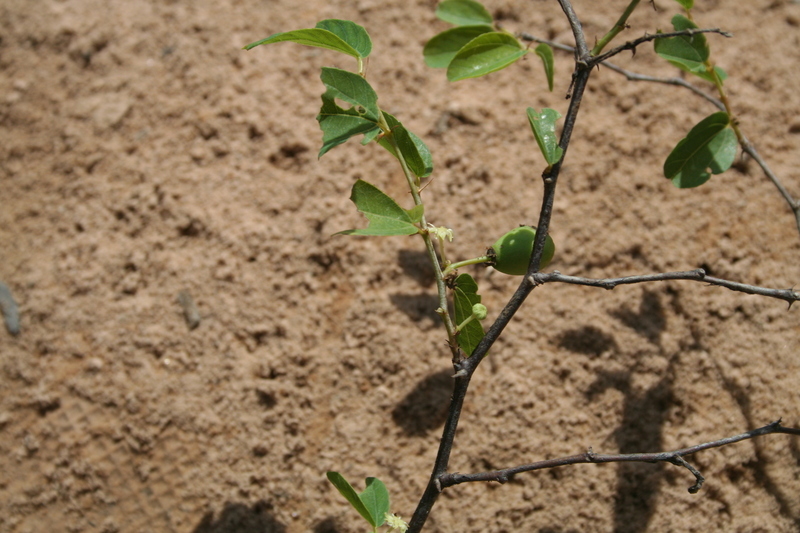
x,y
512,251
480,311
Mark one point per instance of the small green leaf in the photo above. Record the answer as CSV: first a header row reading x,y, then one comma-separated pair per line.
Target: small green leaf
x,y
544,130
414,150
339,124
416,213
484,54
442,48
334,34
546,53
384,215
350,32
376,499
371,135
465,295
686,4
463,12
350,494
709,148
688,53
353,89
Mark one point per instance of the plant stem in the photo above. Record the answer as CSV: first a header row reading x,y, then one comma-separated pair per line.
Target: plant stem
x,y
465,369
475,261
621,24
437,268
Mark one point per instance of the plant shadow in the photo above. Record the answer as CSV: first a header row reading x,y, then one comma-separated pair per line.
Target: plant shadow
x,y
239,518
425,407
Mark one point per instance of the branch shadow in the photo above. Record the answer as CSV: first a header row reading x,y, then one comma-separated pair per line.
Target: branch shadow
x,y
784,501
417,265
417,307
640,430
649,321
425,407
239,518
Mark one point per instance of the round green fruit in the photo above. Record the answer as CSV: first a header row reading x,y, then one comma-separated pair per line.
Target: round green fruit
x,y
512,251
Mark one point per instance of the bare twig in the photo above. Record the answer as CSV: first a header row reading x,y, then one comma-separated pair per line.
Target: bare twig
x,y
788,295
675,457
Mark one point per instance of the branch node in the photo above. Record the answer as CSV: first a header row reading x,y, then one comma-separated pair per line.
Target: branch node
x,y
438,484
699,479
590,455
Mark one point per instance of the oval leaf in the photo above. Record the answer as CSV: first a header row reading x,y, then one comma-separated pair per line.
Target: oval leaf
x,y
376,499
415,152
350,494
688,53
350,32
442,48
463,12
311,37
709,148
384,215
353,89
544,130
546,53
686,4
465,295
484,54
339,124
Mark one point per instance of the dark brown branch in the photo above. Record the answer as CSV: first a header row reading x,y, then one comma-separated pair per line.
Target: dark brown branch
x,y
631,45
674,457
788,295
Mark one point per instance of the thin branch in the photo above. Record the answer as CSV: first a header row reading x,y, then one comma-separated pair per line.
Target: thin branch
x,y
788,295
466,368
680,82
675,457
631,45
629,74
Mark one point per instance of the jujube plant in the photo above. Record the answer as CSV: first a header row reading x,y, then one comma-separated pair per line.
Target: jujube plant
x,y
475,46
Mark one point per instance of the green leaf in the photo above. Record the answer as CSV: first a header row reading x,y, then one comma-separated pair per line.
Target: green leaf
x,y
414,150
353,89
384,215
334,34
709,148
350,32
688,53
416,213
350,494
442,48
546,53
463,12
544,130
484,54
465,295
339,124
686,4
376,499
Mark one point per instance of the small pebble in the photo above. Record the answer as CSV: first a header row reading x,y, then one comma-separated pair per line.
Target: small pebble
x,y
190,312
10,309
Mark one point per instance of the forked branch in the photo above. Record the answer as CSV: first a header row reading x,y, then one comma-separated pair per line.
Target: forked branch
x,y
675,457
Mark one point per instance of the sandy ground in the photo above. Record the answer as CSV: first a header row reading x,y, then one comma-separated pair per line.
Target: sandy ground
x,y
143,153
